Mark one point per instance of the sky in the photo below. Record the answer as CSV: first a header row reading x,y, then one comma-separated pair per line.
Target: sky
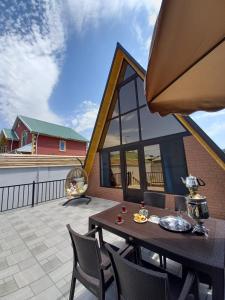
x,y
55,56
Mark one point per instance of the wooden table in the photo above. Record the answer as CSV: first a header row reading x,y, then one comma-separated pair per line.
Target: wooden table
x,y
196,252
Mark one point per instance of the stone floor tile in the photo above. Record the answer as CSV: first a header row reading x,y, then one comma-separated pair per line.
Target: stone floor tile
x,y
62,271
51,264
9,271
41,284
21,294
3,264
28,262
8,287
50,293
30,274
39,249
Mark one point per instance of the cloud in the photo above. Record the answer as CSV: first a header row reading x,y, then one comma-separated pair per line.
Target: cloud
x,y
85,117
88,12
32,39
202,115
213,124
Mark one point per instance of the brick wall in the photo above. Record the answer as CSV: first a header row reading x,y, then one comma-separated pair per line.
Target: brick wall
x,y
94,188
50,146
202,165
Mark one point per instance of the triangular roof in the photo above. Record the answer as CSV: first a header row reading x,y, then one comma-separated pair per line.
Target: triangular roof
x,y
120,55
50,129
10,134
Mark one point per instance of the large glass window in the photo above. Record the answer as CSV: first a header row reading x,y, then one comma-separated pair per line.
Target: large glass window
x,y
140,89
153,167
127,97
111,172
130,128
129,72
132,165
113,135
152,125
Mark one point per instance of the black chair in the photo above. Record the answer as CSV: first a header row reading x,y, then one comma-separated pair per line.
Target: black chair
x,y
180,203
155,199
91,263
134,282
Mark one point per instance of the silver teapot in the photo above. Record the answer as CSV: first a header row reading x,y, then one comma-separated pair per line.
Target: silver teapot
x,y
192,182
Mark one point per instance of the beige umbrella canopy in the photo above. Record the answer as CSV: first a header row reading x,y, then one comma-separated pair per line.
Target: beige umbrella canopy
x,y
186,69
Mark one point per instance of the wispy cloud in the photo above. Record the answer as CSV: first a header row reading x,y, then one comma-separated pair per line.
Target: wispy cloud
x,y
87,12
203,115
213,124
85,117
32,39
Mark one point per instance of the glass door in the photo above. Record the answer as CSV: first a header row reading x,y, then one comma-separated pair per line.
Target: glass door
x,y
133,186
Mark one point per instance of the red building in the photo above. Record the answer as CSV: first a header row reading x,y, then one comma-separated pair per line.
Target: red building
x,y
33,136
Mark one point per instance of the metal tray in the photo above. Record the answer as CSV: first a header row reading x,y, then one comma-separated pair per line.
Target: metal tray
x,y
176,224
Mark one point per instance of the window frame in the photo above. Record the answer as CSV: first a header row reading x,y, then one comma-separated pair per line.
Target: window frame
x,y
64,142
23,136
142,144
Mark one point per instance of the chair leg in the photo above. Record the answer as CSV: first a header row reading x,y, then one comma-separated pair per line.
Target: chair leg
x,y
161,260
164,262
72,287
102,294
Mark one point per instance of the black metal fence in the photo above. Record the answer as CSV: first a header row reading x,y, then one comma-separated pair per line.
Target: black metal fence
x,y
29,194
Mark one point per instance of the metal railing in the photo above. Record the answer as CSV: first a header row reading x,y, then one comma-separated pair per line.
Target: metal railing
x,y
29,194
155,178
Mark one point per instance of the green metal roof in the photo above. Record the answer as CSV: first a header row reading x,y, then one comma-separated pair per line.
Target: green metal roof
x,y
10,134
50,129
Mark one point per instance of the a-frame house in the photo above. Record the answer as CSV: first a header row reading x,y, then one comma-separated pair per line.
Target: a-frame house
x,y
133,150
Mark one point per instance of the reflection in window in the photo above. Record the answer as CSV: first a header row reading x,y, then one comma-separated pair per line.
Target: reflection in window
x,y
111,172
153,167
127,97
130,129
116,110
113,135
153,125
129,72
132,165
140,88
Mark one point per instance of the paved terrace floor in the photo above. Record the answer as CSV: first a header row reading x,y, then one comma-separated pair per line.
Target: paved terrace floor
x,y
36,254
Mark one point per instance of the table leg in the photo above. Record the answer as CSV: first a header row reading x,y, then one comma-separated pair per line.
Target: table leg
x,y
218,285
91,225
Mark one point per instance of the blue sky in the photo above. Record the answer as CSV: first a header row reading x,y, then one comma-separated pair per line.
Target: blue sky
x,y
56,55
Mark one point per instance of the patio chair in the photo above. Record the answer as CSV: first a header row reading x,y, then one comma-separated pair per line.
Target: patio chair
x,y
155,199
91,264
134,282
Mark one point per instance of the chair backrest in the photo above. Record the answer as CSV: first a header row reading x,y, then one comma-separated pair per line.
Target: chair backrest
x,y
86,253
180,203
135,282
155,199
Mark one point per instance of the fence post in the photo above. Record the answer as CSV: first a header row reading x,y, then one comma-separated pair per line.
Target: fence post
x,y
33,193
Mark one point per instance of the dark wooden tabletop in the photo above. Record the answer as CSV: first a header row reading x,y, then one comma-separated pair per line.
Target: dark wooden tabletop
x,y
206,251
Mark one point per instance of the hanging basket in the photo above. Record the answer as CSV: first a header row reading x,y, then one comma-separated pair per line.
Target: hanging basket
x,y
76,182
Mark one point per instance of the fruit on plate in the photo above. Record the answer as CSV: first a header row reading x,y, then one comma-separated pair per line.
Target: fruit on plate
x,y
139,218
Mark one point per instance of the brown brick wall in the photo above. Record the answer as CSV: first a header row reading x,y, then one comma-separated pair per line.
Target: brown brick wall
x,y
202,165
94,188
